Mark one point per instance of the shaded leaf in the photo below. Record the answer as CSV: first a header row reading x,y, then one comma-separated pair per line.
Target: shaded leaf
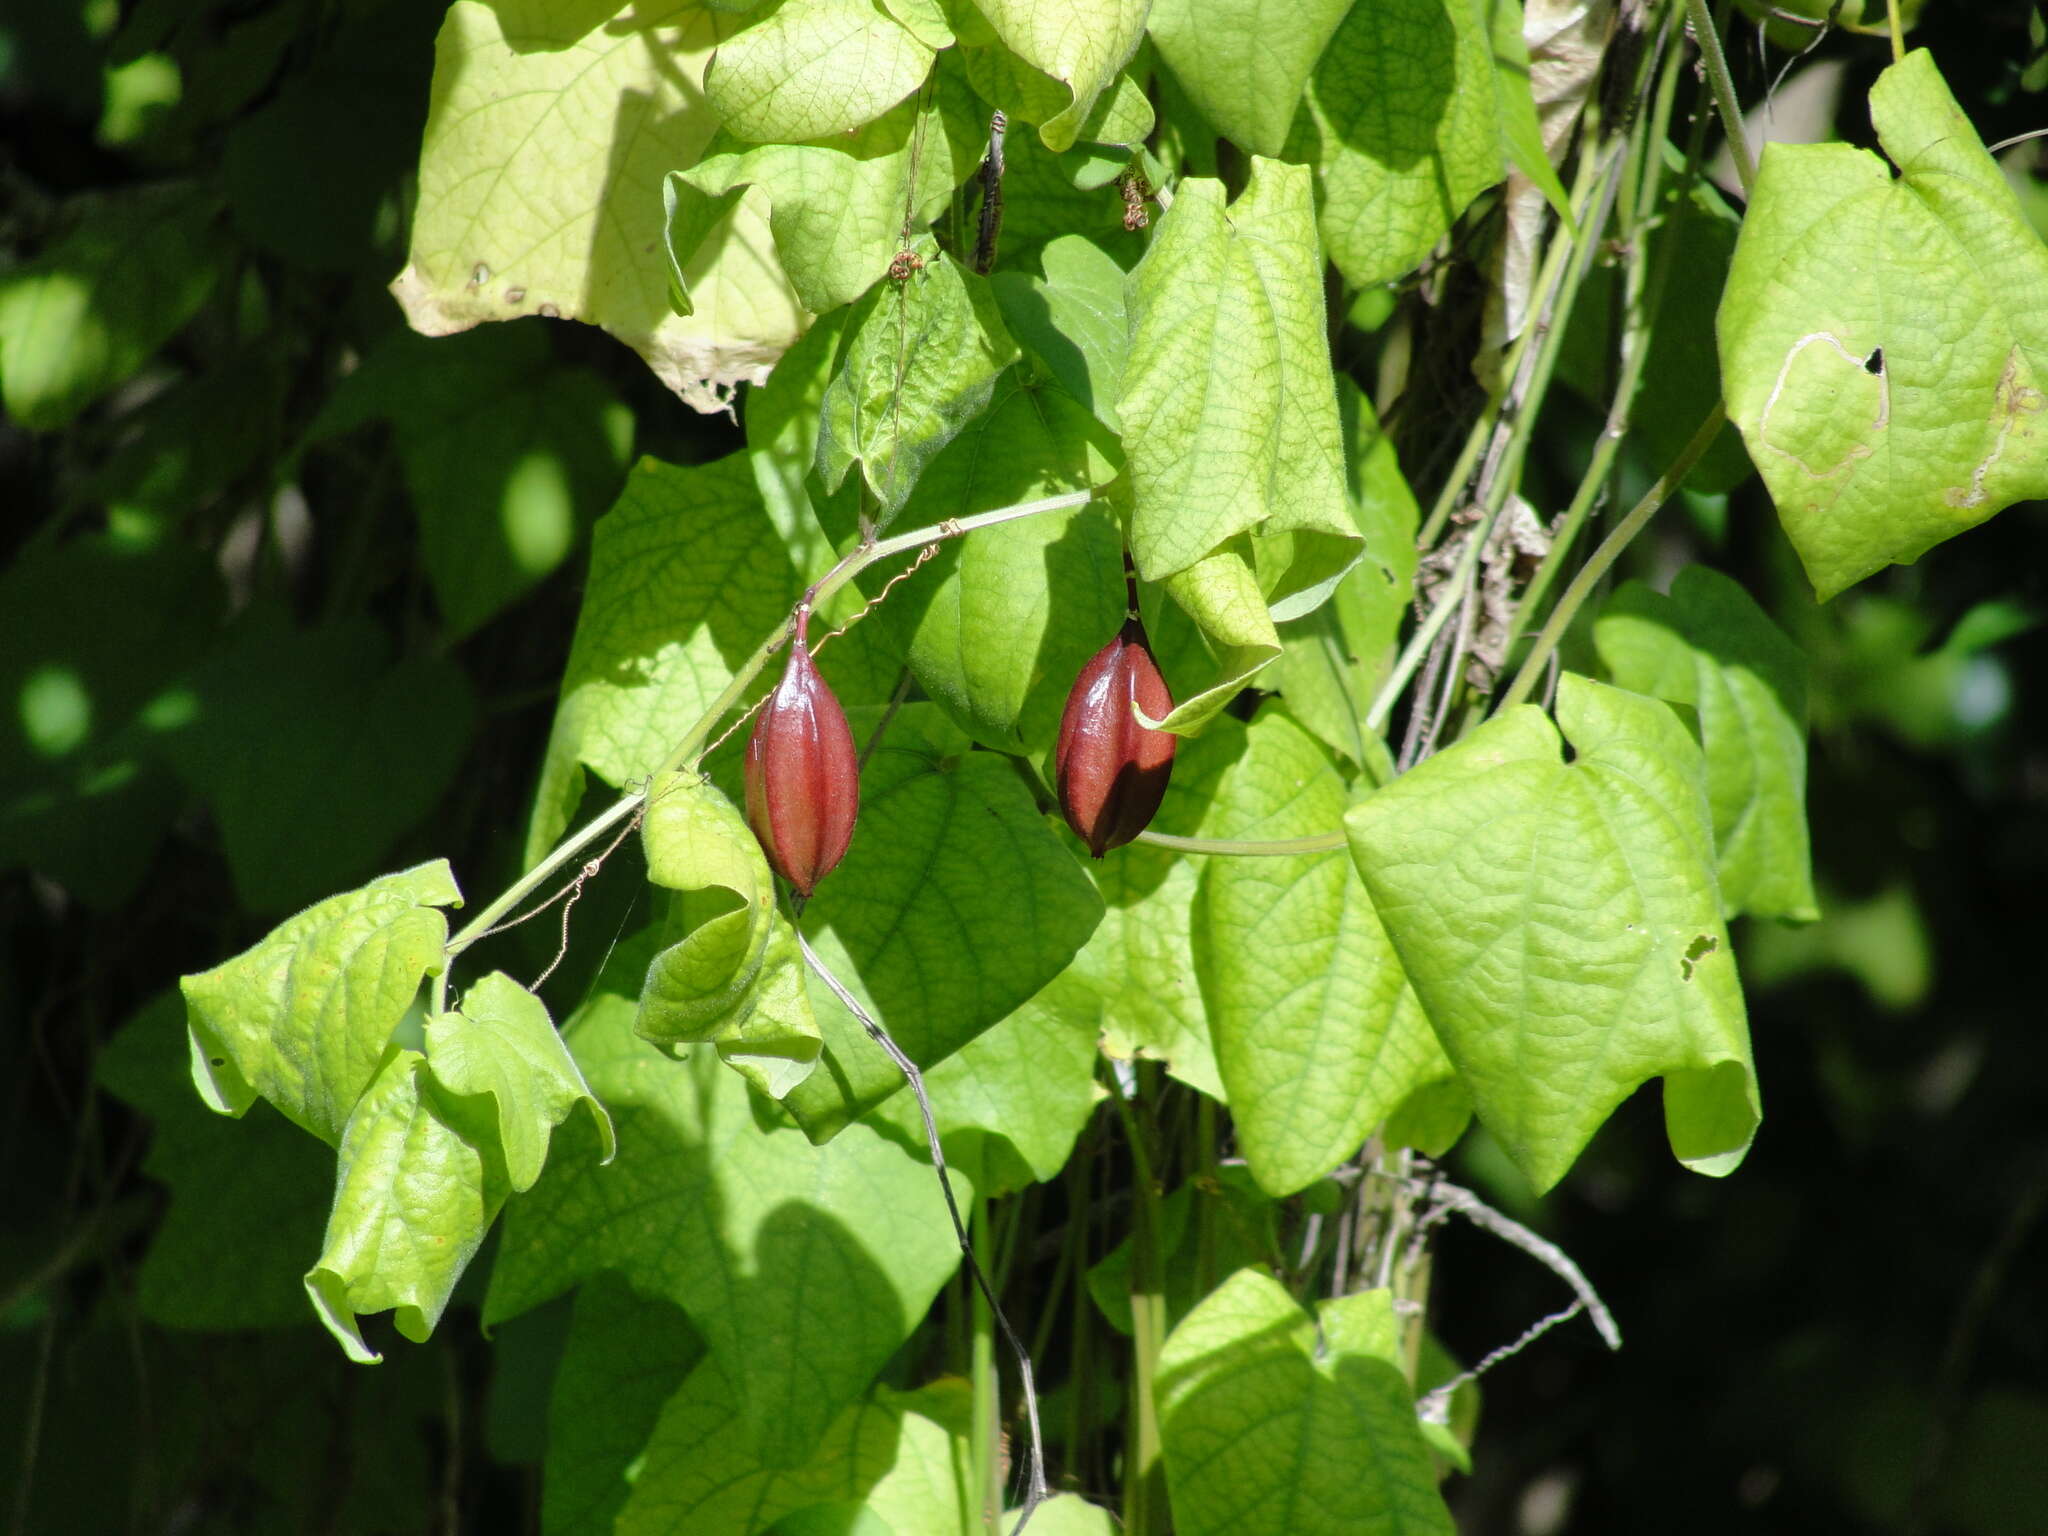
x,y
1071,320
1710,647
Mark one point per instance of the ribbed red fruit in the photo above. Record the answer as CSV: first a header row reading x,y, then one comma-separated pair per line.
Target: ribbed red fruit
x,y
803,776
1113,771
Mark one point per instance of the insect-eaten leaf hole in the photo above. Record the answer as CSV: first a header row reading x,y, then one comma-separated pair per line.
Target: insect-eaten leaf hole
x,y
1875,362
1701,946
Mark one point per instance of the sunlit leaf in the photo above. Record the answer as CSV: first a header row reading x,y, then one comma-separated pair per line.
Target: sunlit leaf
x,y
806,69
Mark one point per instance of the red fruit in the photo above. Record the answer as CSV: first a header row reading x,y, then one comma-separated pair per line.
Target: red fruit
x,y
1113,771
803,776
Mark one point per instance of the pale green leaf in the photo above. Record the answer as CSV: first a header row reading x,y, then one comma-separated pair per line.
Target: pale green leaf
x,y
1071,320
1317,1036
1333,661
997,625
730,973
925,20
1079,44
1561,926
1134,981
1229,414
501,1042
835,208
412,1202
897,1457
1402,128
1278,1424
781,418
807,69
1220,594
1245,63
88,312
955,903
687,576
918,361
1879,336
548,135
1065,1514
1710,647
776,1248
302,1019
626,1356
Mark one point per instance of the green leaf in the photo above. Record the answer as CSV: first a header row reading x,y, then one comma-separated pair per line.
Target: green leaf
x,y
1214,1224
501,1042
508,455
1066,1514
1317,1036
1402,128
687,577
1681,380
1521,133
548,134
1134,980
776,1248
1878,336
896,1458
1229,416
998,624
807,69
918,361
303,1018
88,312
411,1205
781,418
1079,44
313,752
1233,634
258,1189
1276,1422
1010,1103
1334,661
1561,925
836,208
99,630
1071,320
1245,63
1710,647
955,903
733,976
626,1356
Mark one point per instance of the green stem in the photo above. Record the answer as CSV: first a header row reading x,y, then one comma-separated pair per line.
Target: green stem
x,y
1723,85
1145,1511
1419,643
692,744
1898,32
1280,848
986,1439
1601,559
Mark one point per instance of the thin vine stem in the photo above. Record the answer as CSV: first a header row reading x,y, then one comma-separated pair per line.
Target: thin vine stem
x,y
1898,32
1723,85
688,750
1601,559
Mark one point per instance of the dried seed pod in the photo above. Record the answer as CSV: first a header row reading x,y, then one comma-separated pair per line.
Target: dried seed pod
x,y
1113,771
803,776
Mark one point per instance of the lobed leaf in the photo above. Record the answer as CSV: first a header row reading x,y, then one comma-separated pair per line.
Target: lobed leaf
x,y
1402,129
1229,416
413,1199
1245,63
1317,1036
501,1042
88,312
807,69
1276,1422
1079,45
1879,336
303,1018
775,1248
1561,925
917,361
1071,319
1709,647
548,134
732,974
955,904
